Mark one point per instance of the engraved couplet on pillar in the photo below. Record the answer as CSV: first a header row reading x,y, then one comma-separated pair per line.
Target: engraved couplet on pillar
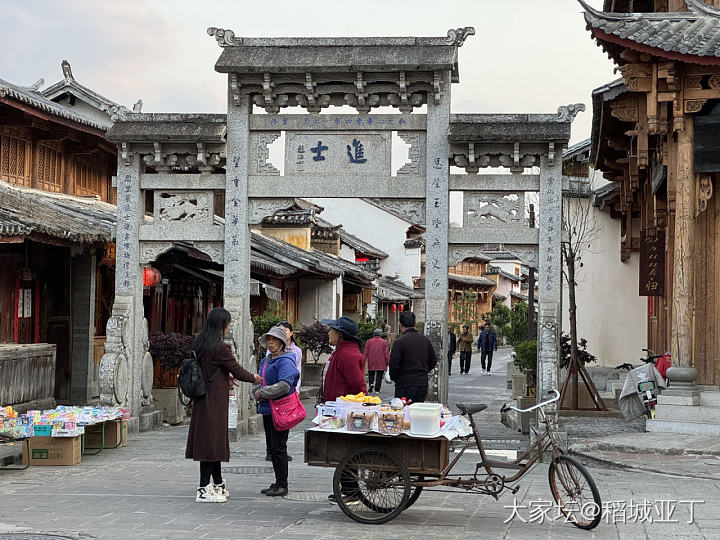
x,y
652,264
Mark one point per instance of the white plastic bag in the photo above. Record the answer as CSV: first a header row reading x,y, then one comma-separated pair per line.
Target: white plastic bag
x,y
386,377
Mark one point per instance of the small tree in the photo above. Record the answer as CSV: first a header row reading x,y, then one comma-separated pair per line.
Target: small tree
x,y
566,351
315,339
581,228
509,323
526,359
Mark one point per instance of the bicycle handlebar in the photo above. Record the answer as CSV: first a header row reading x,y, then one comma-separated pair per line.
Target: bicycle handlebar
x,y
507,407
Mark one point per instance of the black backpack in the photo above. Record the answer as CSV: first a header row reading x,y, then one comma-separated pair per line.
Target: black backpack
x,y
191,381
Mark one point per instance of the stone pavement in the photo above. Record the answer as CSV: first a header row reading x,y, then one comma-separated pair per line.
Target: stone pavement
x,y
146,490
690,456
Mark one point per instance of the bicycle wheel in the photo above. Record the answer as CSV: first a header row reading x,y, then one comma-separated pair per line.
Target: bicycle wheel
x,y
416,493
575,492
371,486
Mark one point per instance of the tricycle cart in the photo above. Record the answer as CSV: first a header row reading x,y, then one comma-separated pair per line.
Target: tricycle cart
x,y
378,476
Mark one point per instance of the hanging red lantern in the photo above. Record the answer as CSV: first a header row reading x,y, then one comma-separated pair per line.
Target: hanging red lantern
x,y
151,276
393,307
402,308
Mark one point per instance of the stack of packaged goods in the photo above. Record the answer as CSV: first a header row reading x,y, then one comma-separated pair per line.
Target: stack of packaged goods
x,y
14,426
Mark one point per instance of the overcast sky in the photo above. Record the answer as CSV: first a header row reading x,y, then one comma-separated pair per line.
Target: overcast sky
x,y
526,55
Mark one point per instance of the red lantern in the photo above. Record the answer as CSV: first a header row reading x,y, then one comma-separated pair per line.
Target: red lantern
x,y
402,308
393,307
151,277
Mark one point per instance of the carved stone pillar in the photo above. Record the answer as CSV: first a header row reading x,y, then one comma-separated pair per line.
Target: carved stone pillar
x,y
683,268
549,284
436,238
237,242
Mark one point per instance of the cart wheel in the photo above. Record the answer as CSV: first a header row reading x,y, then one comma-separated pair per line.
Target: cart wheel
x,y
371,485
417,491
575,492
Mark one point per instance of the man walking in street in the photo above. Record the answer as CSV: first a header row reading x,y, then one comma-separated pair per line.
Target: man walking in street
x,y
411,359
465,346
487,344
452,347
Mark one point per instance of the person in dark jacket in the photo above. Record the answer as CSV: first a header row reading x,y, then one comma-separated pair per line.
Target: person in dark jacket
x,y
411,359
452,347
207,440
279,379
487,344
378,356
345,374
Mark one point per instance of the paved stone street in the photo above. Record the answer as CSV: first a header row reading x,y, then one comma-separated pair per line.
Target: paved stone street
x,y
147,491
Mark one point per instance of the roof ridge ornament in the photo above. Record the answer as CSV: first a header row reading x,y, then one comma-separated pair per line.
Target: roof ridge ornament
x,y
224,37
457,36
67,70
567,113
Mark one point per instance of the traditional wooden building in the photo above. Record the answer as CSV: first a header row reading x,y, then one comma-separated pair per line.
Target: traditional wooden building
x,y
656,137
470,293
56,236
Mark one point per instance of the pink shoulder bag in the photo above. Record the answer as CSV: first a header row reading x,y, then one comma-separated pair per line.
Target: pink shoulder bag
x,y
287,412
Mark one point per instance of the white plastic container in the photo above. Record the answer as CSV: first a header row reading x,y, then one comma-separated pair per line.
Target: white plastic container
x,y
425,418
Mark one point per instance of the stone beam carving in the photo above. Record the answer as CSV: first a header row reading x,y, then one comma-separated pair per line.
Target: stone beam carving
x,y
527,254
185,207
150,251
259,142
224,38
416,153
411,210
457,254
567,113
457,36
262,208
214,250
494,209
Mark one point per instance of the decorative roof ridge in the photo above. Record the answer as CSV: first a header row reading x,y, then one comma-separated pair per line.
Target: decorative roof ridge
x,y
225,37
661,15
37,100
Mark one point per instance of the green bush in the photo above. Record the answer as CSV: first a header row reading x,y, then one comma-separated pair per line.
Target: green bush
x,y
526,358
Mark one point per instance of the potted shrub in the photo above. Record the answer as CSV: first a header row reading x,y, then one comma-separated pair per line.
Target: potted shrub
x,y
526,362
168,352
314,338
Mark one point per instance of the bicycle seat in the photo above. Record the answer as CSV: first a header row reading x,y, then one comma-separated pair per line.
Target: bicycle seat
x,y
471,408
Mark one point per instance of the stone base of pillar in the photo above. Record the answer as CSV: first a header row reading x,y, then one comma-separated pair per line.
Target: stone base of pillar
x,y
150,420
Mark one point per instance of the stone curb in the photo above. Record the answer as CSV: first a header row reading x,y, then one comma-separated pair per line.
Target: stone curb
x,y
588,452
628,449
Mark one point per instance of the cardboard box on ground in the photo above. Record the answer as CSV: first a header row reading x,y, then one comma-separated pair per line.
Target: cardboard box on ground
x,y
53,451
114,430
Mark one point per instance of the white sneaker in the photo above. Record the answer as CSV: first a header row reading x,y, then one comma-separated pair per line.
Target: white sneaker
x,y
221,489
208,494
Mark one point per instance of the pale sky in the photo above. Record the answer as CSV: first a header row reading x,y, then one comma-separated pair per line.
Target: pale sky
x,y
526,56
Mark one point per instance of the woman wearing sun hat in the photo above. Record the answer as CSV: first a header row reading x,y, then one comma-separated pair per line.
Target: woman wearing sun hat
x,y
279,379
345,373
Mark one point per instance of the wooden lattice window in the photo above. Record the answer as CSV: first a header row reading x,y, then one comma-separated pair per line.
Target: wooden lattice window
x,y
14,159
89,179
50,173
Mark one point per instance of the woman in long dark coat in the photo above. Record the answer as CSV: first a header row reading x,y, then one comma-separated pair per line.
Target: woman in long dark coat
x,y
208,435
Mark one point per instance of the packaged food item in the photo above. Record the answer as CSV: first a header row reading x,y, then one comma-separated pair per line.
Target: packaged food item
x,y
390,422
359,420
332,422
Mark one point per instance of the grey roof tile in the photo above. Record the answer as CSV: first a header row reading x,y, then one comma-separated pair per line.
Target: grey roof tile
x,y
38,101
693,33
